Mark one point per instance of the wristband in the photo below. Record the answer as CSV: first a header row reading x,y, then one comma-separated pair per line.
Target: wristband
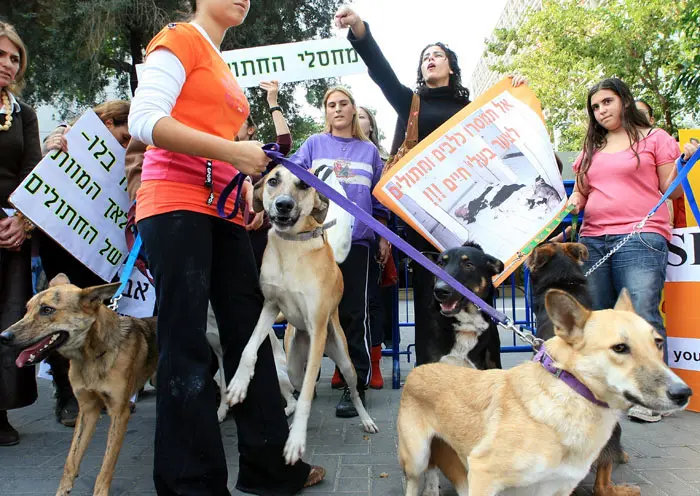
x,y
276,107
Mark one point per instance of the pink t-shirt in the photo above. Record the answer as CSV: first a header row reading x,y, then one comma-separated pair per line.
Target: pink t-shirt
x,y
621,194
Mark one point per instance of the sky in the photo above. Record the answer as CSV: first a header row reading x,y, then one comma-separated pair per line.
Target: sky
x,y
402,28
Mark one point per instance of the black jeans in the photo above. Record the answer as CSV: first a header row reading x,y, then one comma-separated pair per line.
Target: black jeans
x,y
195,258
354,310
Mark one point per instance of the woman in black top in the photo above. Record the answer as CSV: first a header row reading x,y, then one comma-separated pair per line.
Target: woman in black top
x,y
439,85
19,153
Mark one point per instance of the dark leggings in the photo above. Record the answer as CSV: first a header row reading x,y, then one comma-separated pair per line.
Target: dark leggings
x,y
195,258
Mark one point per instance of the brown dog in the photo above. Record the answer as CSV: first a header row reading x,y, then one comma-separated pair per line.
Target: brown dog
x,y
525,431
111,358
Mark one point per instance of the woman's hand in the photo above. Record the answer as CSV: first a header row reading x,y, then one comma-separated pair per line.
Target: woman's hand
x,y
12,233
578,201
517,80
256,221
58,141
689,150
248,157
347,18
384,251
272,88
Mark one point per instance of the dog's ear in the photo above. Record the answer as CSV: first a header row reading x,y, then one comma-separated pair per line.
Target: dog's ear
x,y
540,256
568,315
624,302
320,209
258,196
494,264
59,280
95,295
577,251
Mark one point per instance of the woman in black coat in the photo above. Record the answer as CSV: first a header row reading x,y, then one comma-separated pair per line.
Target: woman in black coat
x,y
20,151
439,86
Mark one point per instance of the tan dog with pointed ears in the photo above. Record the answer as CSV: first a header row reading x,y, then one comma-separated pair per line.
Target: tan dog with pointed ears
x,y
111,358
299,277
526,430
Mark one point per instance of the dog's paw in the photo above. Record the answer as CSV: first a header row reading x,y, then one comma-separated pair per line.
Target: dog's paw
x,y
295,447
222,411
238,387
369,426
291,406
621,490
64,489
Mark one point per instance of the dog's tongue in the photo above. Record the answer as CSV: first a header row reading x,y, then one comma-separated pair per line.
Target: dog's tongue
x,y
33,350
448,307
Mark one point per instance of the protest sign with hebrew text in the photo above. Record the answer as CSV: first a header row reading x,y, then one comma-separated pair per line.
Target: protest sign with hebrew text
x,y
487,175
79,198
291,62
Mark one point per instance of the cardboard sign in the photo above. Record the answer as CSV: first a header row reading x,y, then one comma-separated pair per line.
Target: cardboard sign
x,y
487,175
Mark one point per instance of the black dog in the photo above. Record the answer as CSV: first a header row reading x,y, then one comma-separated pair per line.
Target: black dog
x,y
559,265
457,322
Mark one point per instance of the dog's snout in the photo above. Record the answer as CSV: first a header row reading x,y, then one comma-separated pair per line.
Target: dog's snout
x,y
6,337
284,204
679,393
441,291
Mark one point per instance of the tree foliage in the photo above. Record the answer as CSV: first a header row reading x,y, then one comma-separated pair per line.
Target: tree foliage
x,y
566,47
80,48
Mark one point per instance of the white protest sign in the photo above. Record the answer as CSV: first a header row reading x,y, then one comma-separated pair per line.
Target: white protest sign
x,y
487,175
684,255
79,198
684,353
291,62
139,296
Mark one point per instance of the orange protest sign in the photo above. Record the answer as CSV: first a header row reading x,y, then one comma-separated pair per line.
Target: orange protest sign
x,y
488,175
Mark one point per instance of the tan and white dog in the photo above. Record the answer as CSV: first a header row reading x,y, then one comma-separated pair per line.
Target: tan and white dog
x,y
299,277
525,431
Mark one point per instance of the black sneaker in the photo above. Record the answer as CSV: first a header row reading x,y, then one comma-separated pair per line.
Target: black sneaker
x,y
67,411
345,408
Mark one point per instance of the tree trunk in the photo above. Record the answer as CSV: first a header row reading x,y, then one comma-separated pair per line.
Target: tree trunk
x,y
136,49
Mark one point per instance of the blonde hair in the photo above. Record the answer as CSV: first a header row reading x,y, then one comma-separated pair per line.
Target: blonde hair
x,y
8,31
117,110
356,129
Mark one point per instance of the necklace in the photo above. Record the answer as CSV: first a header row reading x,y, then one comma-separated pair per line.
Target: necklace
x,y
8,109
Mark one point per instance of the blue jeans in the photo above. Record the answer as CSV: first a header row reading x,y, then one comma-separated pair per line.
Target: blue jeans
x,y
639,266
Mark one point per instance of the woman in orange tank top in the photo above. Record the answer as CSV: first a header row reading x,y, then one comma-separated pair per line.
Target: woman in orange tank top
x,y
188,109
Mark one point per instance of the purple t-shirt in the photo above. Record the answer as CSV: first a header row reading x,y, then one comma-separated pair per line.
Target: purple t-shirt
x,y
357,166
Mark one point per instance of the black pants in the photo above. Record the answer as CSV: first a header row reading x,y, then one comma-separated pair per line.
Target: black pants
x,y
375,303
354,310
195,258
422,282
55,260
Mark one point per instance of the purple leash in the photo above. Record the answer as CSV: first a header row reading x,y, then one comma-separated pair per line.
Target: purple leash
x,y
272,151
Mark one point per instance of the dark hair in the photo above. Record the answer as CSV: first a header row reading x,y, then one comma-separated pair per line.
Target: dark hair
x,y
193,6
651,110
596,137
460,93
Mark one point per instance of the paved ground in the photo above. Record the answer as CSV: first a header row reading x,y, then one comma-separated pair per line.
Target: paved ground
x,y
665,457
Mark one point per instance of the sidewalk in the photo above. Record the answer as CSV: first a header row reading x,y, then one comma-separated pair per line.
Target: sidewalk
x,y
664,457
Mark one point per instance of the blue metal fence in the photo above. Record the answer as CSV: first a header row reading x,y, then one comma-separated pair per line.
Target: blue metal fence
x,y
506,301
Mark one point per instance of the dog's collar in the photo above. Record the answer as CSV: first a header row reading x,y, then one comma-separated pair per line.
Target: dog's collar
x,y
306,235
548,363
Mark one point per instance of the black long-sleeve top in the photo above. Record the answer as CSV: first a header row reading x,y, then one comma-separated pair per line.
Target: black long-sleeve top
x,y
20,151
437,105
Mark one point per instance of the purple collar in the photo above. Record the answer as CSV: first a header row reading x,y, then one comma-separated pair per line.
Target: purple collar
x,y
548,363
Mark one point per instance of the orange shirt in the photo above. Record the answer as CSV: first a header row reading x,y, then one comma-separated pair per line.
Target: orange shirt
x,y
211,101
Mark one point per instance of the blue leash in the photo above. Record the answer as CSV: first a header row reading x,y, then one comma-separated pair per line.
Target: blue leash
x,y
127,269
680,163
273,153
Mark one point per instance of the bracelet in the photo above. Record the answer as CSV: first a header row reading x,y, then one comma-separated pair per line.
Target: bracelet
x,y
28,224
276,107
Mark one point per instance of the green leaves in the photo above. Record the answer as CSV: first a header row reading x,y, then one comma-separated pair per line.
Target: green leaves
x,y
566,47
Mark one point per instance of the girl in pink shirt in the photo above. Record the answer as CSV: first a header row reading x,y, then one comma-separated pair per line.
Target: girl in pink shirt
x,y
624,169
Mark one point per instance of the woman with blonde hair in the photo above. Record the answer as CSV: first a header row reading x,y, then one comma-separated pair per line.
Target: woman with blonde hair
x,y
357,164
20,152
